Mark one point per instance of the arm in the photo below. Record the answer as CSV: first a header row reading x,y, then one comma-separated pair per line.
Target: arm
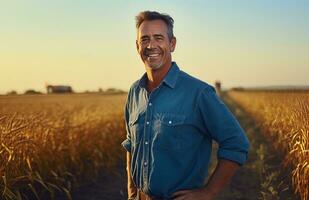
x,y
222,175
132,191
220,125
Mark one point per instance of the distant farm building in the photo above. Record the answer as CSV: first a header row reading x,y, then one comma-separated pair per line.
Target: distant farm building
x,y
58,89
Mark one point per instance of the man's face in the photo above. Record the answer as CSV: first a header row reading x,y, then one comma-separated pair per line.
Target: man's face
x,y
153,44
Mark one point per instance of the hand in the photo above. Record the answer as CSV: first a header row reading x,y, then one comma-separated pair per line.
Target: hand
x,y
196,194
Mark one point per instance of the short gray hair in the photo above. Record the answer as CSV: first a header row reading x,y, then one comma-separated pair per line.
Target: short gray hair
x,y
153,15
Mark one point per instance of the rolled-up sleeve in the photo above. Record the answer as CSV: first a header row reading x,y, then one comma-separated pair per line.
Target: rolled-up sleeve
x,y
127,142
223,127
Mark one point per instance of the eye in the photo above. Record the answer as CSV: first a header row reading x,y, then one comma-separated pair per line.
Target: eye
x,y
144,40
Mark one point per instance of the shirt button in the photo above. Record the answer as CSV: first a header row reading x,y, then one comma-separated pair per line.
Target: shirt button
x,y
150,104
170,122
146,142
147,123
145,163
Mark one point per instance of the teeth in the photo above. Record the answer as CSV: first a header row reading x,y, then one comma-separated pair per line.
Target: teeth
x,y
153,55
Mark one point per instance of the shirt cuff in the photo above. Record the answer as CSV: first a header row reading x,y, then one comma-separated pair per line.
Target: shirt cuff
x,y
127,144
238,157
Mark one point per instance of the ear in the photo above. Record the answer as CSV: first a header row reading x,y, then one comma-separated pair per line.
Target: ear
x,y
173,44
137,45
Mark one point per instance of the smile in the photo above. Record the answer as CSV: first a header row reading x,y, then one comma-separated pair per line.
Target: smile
x,y
153,55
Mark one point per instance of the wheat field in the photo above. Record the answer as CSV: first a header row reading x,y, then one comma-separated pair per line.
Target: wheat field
x,y
284,117
50,144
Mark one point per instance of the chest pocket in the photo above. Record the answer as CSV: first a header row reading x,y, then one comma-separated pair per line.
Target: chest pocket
x,y
136,125
173,133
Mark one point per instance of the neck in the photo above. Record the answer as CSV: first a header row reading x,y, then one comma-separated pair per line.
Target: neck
x,y
155,77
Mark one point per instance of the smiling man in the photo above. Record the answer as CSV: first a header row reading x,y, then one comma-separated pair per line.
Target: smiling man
x,y
172,119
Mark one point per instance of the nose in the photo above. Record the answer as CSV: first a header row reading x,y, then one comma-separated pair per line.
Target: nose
x,y
151,44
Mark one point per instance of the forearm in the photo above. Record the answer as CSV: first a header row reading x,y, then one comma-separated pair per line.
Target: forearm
x,y
132,191
222,175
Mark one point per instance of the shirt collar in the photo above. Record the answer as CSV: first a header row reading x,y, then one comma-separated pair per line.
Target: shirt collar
x,y
170,78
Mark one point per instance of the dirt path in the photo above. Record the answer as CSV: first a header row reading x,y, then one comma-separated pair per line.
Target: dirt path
x,y
245,185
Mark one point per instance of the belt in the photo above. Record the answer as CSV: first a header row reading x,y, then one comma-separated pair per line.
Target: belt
x,y
143,196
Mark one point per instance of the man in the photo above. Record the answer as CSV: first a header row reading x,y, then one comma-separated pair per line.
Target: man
x,y
171,120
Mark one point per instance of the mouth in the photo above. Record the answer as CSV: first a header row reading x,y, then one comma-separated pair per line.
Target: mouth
x,y
152,55
153,59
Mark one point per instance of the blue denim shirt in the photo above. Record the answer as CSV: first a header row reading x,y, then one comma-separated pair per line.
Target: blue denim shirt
x,y
170,133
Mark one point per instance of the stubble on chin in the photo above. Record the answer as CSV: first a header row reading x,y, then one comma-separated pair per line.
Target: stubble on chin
x,y
155,66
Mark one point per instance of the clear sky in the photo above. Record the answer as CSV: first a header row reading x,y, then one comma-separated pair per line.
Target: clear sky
x,y
91,44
